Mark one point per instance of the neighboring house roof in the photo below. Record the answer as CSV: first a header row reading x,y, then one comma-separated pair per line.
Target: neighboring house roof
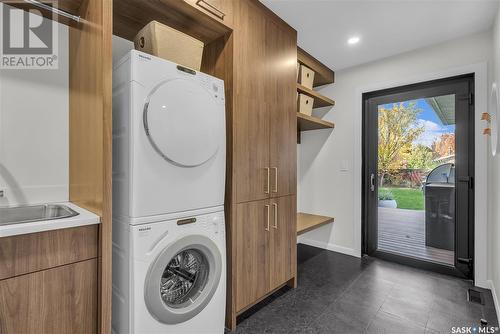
x,y
445,159
444,106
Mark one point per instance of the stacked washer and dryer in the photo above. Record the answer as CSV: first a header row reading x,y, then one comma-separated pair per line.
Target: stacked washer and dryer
x,y
169,259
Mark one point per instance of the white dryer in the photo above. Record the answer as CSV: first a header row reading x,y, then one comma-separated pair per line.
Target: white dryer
x,y
170,276
169,143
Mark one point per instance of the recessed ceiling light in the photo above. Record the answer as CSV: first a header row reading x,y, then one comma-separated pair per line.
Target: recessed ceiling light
x,y
353,40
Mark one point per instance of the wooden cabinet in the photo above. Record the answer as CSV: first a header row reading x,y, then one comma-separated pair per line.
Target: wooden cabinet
x,y
251,158
221,10
257,61
265,248
252,250
265,124
49,282
251,117
27,253
283,244
281,49
56,301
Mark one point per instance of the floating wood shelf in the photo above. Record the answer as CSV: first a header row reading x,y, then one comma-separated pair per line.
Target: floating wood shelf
x,y
307,222
130,16
307,123
319,100
323,75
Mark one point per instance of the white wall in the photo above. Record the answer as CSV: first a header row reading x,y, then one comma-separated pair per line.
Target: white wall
x,y
34,132
494,184
326,188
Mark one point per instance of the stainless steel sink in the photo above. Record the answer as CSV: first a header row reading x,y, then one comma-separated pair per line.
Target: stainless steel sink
x,y
34,213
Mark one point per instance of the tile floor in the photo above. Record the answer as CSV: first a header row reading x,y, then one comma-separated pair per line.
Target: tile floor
x,y
342,294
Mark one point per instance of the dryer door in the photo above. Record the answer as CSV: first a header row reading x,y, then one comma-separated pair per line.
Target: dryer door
x,y
183,122
183,279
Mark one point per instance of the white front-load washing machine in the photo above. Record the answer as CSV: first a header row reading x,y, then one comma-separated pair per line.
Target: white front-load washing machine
x,y
169,161
170,276
169,142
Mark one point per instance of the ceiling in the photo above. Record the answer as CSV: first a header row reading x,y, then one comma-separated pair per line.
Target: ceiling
x,y
386,28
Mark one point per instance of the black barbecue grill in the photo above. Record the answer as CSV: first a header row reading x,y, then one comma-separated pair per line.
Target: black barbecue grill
x,y
440,207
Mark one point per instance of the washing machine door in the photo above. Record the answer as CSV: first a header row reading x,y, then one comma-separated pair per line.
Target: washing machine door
x,y
183,121
183,279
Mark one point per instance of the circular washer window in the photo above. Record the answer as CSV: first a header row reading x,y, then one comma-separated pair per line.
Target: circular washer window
x,y
183,122
183,279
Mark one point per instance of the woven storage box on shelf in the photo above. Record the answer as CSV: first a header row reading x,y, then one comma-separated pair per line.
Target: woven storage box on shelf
x,y
306,77
165,42
305,104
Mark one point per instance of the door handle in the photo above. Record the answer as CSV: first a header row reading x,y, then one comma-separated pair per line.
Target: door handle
x,y
275,179
211,8
268,217
275,215
372,182
268,170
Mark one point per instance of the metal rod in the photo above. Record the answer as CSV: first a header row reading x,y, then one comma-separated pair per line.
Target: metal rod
x,y
54,10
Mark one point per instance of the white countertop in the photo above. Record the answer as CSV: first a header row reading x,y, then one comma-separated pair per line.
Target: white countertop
x,y
84,218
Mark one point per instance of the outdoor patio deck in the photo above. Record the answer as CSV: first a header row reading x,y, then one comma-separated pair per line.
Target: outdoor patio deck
x,y
403,232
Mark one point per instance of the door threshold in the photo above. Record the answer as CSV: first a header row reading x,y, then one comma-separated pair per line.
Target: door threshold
x,y
440,268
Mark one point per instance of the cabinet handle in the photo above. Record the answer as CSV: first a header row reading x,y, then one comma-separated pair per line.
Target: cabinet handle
x,y
268,180
275,215
211,8
275,179
268,217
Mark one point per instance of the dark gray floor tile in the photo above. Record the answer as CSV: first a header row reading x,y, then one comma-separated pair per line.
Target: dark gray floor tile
x,y
342,294
351,309
413,311
412,295
367,286
384,323
357,299
306,253
333,324
441,322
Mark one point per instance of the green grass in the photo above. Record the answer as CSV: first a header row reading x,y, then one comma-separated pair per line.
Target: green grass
x,y
408,198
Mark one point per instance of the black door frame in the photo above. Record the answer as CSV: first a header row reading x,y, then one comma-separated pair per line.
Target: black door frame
x,y
408,92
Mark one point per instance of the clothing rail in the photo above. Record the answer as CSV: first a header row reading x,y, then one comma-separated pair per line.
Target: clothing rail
x,y
54,10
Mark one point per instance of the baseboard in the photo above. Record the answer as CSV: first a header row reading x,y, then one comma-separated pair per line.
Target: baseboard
x,y
329,246
495,298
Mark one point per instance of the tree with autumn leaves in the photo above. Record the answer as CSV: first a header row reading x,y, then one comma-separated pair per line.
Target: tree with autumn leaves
x,y
445,146
398,129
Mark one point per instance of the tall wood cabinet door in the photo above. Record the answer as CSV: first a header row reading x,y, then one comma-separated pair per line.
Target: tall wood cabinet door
x,y
283,243
250,116
281,48
56,301
253,220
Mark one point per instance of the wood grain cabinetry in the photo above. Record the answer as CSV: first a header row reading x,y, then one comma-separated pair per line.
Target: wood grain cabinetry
x,y
283,245
251,117
28,253
61,300
221,10
265,123
265,248
252,249
261,206
281,47
49,282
